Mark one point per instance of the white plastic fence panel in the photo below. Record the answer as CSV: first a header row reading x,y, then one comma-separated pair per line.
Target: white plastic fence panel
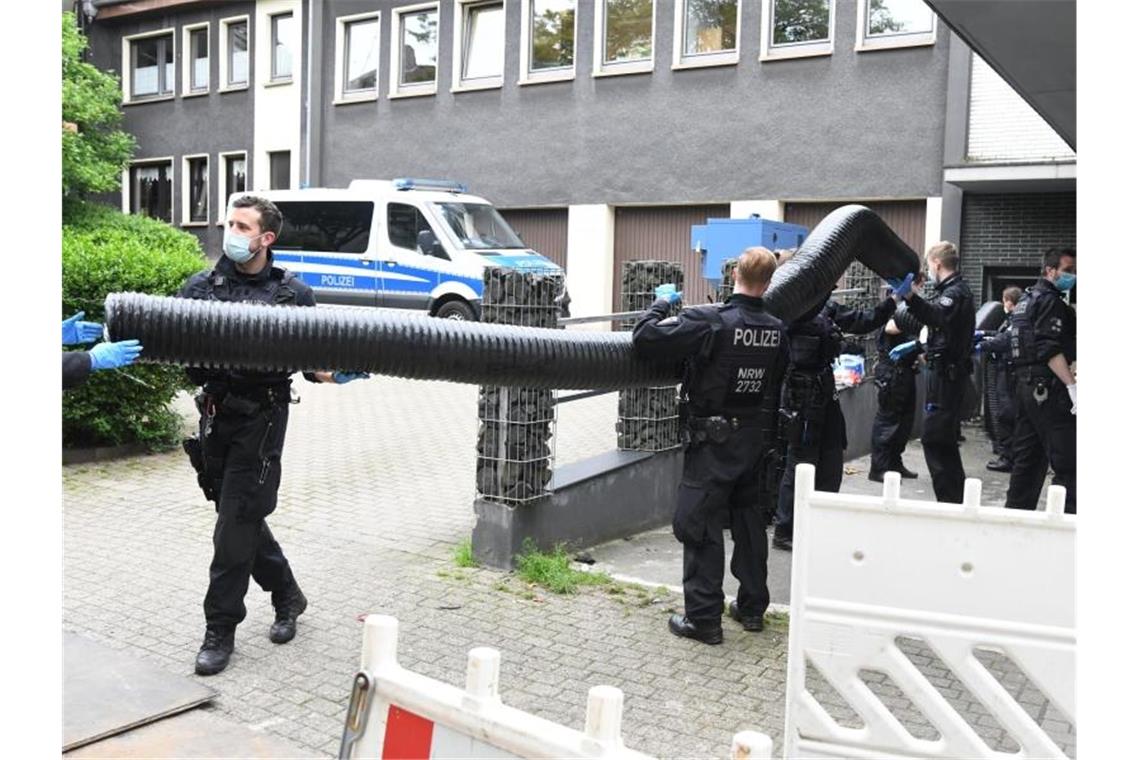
x,y
867,570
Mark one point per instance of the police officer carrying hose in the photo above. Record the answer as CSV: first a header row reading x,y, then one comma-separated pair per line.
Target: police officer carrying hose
x,y
895,370
734,356
814,427
949,317
241,434
1043,343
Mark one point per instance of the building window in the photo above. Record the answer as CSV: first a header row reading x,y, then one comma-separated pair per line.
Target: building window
x,y
233,179
152,66
625,30
358,56
480,46
196,64
281,27
236,59
150,191
404,225
549,36
797,28
195,189
894,23
706,33
279,175
415,50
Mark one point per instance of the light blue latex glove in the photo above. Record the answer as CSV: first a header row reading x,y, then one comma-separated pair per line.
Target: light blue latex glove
x,y
903,350
901,288
114,355
668,291
75,330
347,377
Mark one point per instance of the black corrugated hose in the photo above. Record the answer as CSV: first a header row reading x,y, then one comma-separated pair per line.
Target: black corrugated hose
x,y
413,345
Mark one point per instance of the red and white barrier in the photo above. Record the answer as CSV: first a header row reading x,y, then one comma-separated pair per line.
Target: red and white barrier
x,y
958,576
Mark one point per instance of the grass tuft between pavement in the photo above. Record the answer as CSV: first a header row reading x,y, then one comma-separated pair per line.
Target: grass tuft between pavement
x,y
463,555
552,570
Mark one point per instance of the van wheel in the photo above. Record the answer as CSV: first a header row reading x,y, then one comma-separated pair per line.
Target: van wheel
x,y
457,310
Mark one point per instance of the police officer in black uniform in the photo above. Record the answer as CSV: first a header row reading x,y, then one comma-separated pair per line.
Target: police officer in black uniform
x,y
949,318
1000,392
1043,343
813,423
735,355
895,370
241,433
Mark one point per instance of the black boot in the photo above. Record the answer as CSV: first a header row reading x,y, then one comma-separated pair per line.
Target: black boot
x,y
875,475
215,653
707,634
1000,464
748,622
781,542
289,606
901,469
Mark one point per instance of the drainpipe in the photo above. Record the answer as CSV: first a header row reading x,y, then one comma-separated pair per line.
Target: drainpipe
x,y
309,104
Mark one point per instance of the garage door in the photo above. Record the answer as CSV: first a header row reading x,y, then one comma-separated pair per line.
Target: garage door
x,y
544,230
906,218
663,233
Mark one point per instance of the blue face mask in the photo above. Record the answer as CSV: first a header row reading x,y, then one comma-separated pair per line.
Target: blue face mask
x,y
236,247
1066,281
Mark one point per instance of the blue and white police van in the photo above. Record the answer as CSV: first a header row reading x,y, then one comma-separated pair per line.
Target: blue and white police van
x,y
403,243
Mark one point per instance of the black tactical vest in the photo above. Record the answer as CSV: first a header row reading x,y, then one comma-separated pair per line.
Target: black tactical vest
x,y
1022,330
815,343
732,374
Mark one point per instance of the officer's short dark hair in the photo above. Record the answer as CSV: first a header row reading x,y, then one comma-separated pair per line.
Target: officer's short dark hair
x,y
1011,294
269,215
1053,256
945,253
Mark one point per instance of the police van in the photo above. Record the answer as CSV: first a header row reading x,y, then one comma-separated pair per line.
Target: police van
x,y
403,243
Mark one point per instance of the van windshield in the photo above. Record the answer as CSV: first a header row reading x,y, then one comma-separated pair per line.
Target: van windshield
x,y
477,226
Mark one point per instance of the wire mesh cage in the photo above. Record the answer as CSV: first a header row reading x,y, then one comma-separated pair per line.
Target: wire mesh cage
x,y
515,445
648,417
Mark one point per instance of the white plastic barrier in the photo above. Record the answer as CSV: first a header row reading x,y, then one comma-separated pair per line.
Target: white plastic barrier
x,y
959,576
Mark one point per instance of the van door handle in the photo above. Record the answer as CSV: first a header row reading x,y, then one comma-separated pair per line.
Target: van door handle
x,y
366,261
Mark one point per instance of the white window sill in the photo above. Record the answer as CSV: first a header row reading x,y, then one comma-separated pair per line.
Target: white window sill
x,y
346,100
235,88
195,224
705,62
195,94
867,47
278,82
565,76
411,94
640,68
478,87
163,99
792,53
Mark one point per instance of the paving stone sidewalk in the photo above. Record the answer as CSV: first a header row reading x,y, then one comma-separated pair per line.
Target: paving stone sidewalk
x,y
377,490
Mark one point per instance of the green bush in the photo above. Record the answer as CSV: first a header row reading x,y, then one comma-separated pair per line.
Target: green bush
x,y
105,251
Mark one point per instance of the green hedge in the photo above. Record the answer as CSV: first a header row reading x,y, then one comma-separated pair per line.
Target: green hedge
x,y
105,251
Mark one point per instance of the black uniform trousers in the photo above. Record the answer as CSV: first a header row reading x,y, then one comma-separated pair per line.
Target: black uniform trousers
x,y
246,451
721,484
940,426
1046,435
820,443
1005,416
894,418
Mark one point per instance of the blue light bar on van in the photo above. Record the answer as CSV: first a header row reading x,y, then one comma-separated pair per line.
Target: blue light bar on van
x,y
415,183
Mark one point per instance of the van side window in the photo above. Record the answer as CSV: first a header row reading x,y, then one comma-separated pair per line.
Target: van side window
x,y
404,224
326,226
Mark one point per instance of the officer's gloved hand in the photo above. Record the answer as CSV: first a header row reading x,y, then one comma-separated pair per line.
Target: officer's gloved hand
x,y
900,288
1072,389
114,355
668,291
903,350
347,377
77,331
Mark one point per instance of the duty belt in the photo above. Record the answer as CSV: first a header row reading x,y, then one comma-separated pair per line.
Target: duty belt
x,y
248,400
718,428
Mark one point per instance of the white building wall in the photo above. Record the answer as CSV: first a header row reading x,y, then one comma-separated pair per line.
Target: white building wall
x,y
276,105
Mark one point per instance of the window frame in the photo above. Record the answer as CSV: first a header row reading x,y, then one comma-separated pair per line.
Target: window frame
x,y
269,169
188,60
274,78
865,43
128,66
128,186
602,69
388,227
395,89
186,180
341,95
459,39
683,60
223,196
560,74
224,59
786,51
